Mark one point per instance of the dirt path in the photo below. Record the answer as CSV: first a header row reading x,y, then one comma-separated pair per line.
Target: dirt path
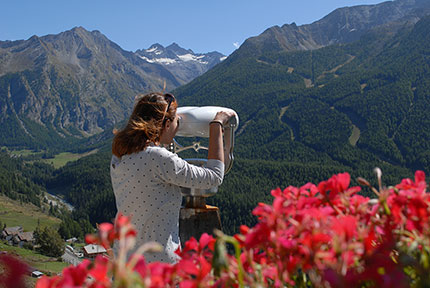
x,y
336,68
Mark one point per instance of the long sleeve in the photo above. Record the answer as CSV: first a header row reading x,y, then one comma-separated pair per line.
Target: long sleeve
x,y
172,169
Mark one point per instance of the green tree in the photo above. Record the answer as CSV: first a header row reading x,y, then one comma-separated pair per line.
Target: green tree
x,y
64,230
49,241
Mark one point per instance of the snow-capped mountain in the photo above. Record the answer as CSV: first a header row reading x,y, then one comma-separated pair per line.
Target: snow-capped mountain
x,y
184,64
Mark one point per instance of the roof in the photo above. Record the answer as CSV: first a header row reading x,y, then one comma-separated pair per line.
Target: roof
x,y
36,273
94,249
26,236
13,230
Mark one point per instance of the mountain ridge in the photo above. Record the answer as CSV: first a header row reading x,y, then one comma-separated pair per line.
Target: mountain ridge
x,y
343,25
183,63
71,85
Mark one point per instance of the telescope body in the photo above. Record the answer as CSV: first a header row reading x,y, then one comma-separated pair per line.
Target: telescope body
x,y
195,216
194,121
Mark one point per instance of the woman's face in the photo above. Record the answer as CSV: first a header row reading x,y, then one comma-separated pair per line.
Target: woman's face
x,y
169,131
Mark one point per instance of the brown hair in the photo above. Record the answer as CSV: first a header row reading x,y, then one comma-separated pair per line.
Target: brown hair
x,y
145,124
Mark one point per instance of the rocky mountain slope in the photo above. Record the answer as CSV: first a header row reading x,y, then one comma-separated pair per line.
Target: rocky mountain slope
x,y
58,88
343,25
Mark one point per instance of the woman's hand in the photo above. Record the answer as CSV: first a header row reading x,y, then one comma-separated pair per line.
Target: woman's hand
x,y
223,116
216,147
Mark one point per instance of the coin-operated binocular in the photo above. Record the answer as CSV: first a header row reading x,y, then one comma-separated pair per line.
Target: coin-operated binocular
x,y
195,216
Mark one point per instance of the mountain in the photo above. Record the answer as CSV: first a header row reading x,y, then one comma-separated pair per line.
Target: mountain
x,y
308,114
343,25
184,64
57,89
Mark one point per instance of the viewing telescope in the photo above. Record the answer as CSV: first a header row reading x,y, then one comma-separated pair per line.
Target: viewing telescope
x,y
195,216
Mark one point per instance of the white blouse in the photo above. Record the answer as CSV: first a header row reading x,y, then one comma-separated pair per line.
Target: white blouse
x,y
146,187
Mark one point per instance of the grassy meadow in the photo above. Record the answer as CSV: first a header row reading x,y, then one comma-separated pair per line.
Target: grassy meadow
x,y
61,159
13,213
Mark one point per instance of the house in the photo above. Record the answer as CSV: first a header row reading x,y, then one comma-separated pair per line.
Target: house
x,y
92,250
36,274
72,240
23,237
9,232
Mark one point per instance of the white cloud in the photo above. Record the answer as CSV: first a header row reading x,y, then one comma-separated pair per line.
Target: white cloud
x,y
236,44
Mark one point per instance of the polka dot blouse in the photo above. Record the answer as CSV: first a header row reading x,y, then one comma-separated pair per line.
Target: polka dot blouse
x,y
146,187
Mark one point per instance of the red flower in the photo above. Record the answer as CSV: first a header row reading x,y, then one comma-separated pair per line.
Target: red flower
x,y
48,282
407,183
13,271
123,222
257,235
100,270
336,184
345,227
161,274
74,276
328,232
106,234
204,247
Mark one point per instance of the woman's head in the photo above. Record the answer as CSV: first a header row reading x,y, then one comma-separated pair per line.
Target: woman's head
x,y
153,113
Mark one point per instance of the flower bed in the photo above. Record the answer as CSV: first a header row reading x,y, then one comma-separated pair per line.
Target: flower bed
x,y
324,235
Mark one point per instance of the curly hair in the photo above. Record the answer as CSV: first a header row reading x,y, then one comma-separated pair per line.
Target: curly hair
x,y
146,123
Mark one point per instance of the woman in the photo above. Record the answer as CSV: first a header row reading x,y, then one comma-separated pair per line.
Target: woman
x,y
146,177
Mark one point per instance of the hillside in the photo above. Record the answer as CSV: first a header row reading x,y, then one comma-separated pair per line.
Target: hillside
x,y
28,216
347,107
312,100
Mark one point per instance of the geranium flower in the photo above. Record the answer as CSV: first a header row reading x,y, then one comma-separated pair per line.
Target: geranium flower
x,y
13,271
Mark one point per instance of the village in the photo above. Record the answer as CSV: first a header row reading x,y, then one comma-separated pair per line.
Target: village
x,y
73,252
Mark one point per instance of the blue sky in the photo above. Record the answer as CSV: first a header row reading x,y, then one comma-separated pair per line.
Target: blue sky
x,y
202,26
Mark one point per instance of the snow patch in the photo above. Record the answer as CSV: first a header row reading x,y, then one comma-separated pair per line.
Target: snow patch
x,y
187,57
222,58
154,50
146,59
151,50
166,61
191,57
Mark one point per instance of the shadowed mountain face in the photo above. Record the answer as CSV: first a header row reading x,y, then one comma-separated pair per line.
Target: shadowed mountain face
x,y
71,85
343,25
